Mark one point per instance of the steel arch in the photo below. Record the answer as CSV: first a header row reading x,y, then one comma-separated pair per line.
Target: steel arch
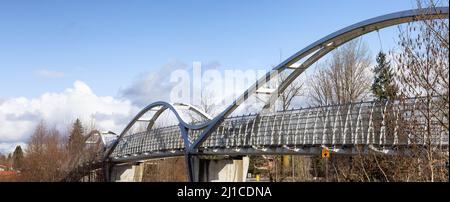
x,y
164,106
319,49
76,160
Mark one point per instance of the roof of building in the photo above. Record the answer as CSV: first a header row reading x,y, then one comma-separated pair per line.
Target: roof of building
x,y
8,173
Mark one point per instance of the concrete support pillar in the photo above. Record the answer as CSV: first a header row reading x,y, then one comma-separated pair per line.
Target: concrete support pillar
x,y
220,170
127,173
138,172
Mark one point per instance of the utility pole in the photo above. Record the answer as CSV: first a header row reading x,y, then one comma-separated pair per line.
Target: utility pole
x,y
326,169
276,169
326,156
293,168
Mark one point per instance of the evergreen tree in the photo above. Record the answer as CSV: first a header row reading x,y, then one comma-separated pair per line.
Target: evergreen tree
x,y
384,87
76,138
2,159
17,158
9,161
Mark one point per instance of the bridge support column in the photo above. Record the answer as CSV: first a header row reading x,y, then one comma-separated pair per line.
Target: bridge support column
x,y
106,172
220,170
127,173
190,167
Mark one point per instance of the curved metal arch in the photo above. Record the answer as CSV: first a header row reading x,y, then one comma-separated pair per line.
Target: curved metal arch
x,y
173,108
75,160
90,134
164,106
99,148
319,49
101,136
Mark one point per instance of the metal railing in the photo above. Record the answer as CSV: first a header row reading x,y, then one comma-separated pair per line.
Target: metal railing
x,y
380,124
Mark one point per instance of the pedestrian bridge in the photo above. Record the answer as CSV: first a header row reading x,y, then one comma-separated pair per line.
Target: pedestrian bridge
x,y
347,129
387,127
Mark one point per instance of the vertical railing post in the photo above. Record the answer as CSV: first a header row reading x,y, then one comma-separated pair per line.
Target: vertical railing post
x,y
288,135
280,129
297,126
265,130
245,140
314,135
370,127
272,132
324,130
252,132
397,117
382,140
305,131
338,114
344,141
358,125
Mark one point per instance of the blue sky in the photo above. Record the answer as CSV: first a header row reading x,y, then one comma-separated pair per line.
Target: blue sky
x,y
107,44
100,61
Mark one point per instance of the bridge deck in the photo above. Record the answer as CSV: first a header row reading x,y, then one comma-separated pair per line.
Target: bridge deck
x,y
372,125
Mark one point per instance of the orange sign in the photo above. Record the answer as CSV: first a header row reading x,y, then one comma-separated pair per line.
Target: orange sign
x,y
325,153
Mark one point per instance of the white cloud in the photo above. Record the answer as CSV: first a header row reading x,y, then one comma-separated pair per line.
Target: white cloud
x,y
154,86
178,82
50,74
6,148
19,116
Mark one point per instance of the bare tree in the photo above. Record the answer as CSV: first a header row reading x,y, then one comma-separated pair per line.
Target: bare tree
x,y
424,72
207,103
422,65
294,90
423,62
45,155
345,77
